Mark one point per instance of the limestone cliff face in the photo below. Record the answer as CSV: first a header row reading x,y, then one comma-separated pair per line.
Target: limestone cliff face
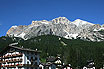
x,y
60,27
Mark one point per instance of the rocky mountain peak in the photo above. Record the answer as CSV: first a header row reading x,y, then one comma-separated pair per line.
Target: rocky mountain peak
x,y
60,26
79,22
60,20
40,22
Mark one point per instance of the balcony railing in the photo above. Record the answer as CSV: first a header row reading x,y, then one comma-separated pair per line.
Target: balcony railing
x,y
8,65
20,65
14,60
2,62
10,56
28,65
11,61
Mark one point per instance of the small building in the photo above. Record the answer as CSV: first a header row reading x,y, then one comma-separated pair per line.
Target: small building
x,y
50,59
53,63
90,65
13,57
41,66
58,63
67,66
49,65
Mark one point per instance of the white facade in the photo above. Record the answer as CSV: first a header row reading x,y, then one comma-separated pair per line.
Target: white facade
x,y
16,58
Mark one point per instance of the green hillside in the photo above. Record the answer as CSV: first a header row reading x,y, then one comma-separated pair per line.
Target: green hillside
x,y
76,52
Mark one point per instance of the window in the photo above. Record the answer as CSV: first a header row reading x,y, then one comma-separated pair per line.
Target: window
x,y
35,53
31,58
36,58
31,63
36,68
27,62
32,53
36,63
20,51
27,57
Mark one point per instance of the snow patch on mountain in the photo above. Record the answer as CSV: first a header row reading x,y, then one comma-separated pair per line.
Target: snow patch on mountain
x,y
70,36
98,29
79,22
22,35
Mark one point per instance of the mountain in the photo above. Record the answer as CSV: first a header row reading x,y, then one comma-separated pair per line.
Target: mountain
x,y
62,27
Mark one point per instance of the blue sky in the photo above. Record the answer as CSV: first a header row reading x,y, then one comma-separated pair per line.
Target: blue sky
x,y
22,12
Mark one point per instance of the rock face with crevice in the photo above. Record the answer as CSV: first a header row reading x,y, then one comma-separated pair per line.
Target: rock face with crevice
x,y
60,26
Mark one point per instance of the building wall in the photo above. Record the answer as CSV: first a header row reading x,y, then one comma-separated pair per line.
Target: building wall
x,y
26,58
17,52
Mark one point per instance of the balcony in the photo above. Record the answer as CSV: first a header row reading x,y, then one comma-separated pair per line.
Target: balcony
x,y
2,61
14,60
30,65
11,56
20,65
11,61
8,65
12,66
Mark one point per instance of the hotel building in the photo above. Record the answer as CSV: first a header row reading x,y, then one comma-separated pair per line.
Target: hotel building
x,y
13,57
